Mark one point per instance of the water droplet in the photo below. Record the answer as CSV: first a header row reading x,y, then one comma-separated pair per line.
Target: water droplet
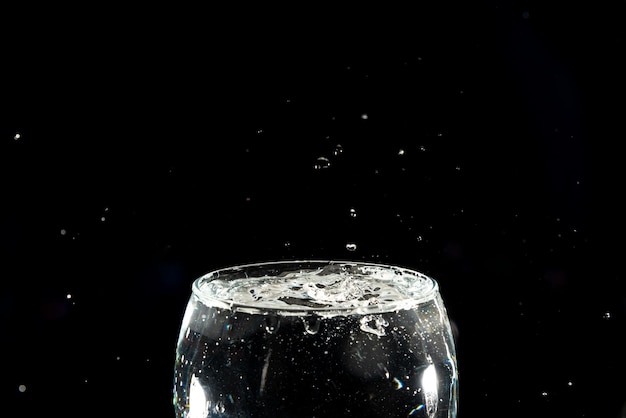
x,y
351,246
63,232
400,152
364,116
17,136
422,148
606,315
352,212
420,238
68,296
338,150
321,163
22,388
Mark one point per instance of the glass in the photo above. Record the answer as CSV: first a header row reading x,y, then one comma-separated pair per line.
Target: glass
x,y
325,339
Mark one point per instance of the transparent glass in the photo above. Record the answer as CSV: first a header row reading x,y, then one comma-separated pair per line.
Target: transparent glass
x,y
311,339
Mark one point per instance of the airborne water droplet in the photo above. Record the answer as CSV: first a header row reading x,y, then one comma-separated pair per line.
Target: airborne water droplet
x,y
351,246
321,163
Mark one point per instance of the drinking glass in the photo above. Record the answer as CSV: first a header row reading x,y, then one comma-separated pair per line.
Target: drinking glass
x,y
317,338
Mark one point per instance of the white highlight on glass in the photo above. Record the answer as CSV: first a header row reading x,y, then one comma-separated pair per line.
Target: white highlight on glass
x,y
198,404
429,385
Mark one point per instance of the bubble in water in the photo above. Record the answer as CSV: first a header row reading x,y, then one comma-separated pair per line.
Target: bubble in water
x,y
272,324
22,388
374,324
321,163
338,150
351,246
606,315
401,152
422,148
17,136
352,213
220,408
364,116
311,325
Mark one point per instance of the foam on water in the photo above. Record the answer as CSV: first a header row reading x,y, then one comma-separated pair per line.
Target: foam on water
x,y
326,288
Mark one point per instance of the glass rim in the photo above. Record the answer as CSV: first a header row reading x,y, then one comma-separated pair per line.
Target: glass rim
x,y
239,271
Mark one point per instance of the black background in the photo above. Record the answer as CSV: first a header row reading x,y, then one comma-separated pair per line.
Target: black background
x,y
480,144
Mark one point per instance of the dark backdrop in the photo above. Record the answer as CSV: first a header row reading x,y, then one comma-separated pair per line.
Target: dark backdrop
x,y
479,144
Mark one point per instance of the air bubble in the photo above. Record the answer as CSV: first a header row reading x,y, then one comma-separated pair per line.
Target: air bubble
x,y
374,324
271,324
311,325
351,246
